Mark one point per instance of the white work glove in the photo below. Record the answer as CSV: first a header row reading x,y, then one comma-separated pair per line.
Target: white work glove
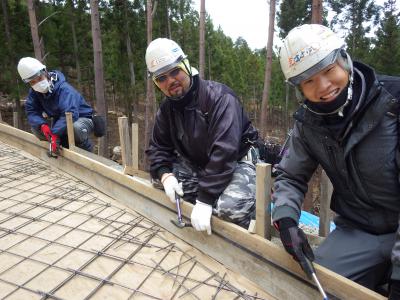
x,y
171,186
201,217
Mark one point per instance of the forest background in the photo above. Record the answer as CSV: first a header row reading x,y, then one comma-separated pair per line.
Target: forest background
x,y
66,41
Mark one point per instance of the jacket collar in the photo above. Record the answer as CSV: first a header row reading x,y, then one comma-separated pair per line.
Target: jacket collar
x,y
305,116
376,103
379,102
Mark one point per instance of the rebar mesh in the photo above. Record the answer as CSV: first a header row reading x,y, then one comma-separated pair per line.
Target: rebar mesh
x,y
62,239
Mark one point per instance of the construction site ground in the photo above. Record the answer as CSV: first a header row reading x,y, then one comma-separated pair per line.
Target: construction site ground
x,y
62,239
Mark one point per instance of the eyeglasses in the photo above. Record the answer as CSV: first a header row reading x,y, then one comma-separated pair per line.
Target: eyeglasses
x,y
173,73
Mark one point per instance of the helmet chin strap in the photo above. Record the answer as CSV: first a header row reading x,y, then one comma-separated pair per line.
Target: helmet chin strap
x,y
52,77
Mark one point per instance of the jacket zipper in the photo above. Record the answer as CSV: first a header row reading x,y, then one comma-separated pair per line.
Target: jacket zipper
x,y
333,161
365,191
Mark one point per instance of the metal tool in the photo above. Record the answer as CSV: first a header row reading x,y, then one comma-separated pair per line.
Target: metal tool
x,y
310,272
179,222
50,153
321,290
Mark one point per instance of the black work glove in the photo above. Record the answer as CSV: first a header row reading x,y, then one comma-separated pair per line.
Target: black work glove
x,y
269,151
394,291
295,242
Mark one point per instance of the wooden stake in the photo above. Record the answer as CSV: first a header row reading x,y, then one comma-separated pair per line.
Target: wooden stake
x,y
125,142
263,200
135,146
70,130
325,202
15,119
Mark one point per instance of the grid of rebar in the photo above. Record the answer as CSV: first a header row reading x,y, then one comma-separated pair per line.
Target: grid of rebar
x,y
60,240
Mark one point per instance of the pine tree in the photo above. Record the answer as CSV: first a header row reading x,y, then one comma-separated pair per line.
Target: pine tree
x,y
387,45
293,13
356,18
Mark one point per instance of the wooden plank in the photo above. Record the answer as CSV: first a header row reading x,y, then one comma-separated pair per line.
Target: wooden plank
x,y
325,202
70,130
263,262
263,200
124,141
135,146
101,159
136,172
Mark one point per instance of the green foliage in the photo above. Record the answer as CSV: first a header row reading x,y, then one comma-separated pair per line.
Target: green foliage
x,y
20,44
230,62
356,18
386,52
293,13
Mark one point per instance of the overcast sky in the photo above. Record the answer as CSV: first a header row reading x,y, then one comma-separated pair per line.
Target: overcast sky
x,y
245,18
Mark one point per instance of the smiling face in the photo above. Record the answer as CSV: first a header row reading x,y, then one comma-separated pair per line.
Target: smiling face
x,y
326,85
174,83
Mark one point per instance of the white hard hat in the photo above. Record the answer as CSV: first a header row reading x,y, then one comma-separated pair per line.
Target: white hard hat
x,y
162,55
306,50
29,68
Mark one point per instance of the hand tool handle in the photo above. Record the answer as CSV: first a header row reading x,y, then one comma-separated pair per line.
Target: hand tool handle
x,y
178,207
308,267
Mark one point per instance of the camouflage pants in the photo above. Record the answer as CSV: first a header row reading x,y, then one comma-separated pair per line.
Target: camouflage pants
x,y
237,202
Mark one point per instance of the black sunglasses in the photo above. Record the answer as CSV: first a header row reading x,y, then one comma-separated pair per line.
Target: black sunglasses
x,y
173,73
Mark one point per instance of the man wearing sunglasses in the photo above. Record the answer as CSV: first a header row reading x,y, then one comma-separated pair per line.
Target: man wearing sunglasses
x,y
50,97
201,146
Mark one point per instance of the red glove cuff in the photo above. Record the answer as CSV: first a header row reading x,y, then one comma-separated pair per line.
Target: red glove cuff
x,y
46,130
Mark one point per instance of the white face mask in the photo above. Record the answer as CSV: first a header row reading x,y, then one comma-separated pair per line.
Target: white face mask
x,y
42,86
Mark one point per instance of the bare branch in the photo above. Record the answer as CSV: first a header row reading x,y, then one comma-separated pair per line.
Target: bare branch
x,y
44,20
154,8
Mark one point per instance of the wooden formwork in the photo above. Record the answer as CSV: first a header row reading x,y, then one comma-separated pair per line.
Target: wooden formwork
x,y
264,263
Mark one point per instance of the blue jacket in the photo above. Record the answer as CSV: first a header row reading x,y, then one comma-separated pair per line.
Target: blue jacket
x,y
64,98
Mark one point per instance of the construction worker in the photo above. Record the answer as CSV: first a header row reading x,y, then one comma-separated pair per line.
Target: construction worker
x,y
348,124
50,97
201,138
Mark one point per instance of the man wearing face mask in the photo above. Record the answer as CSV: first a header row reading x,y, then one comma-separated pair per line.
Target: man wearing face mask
x,y
201,145
347,123
50,97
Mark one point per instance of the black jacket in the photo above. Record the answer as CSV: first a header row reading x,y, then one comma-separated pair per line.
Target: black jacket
x,y
212,132
363,168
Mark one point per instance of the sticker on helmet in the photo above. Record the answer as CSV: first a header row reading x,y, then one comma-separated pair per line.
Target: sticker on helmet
x,y
159,60
300,55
